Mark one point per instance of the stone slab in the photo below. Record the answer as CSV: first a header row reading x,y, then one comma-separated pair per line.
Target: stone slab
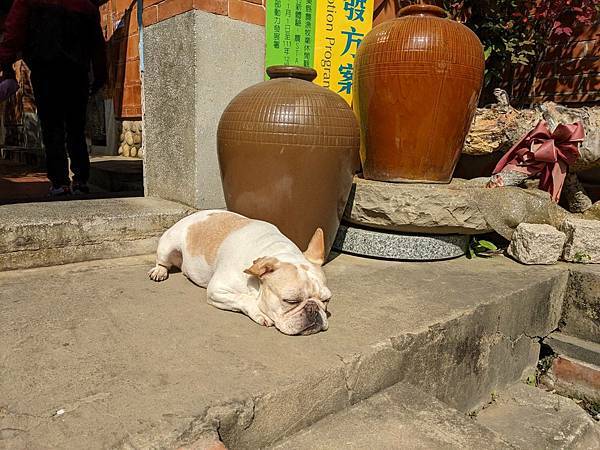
x,y
138,364
581,308
44,234
399,246
399,417
191,74
582,245
585,351
460,207
536,244
531,418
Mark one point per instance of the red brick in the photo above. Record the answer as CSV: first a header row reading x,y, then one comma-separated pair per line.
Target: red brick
x,y
247,12
132,96
569,51
579,66
132,72
546,69
133,23
122,5
561,85
576,372
586,33
521,71
591,83
171,8
133,47
257,2
212,6
150,15
131,112
151,2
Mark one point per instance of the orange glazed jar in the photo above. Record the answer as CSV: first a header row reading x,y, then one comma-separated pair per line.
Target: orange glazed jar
x,y
417,83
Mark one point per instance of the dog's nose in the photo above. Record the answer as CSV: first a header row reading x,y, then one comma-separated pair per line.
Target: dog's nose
x,y
311,309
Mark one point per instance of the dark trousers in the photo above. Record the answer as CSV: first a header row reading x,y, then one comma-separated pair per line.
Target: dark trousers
x,y
61,96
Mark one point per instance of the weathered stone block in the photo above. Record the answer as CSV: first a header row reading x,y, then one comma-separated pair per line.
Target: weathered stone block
x,y
536,244
462,207
583,241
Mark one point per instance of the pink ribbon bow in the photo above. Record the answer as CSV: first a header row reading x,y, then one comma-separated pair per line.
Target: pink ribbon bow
x,y
544,153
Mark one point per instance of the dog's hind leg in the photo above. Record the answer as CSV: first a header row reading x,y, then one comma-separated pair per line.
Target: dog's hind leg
x,y
167,256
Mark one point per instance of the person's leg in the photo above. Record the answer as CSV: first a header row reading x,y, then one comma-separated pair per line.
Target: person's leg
x,y
51,114
77,101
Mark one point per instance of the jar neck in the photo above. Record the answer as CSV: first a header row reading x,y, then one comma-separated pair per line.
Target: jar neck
x,y
422,9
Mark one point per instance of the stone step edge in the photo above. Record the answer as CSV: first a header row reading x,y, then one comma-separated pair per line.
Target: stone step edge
x,y
410,400
83,234
258,420
574,347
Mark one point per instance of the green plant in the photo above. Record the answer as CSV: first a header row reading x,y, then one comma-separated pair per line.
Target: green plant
x,y
581,257
481,248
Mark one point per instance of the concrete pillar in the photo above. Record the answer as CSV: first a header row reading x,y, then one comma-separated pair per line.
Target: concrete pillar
x,y
195,63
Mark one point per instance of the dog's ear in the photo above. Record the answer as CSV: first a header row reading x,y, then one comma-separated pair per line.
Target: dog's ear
x,y
315,252
262,267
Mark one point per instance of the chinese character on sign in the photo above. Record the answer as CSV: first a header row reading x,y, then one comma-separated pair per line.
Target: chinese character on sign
x,y
346,82
355,9
352,37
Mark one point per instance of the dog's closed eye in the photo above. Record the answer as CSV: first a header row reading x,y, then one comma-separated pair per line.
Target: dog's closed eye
x,y
292,300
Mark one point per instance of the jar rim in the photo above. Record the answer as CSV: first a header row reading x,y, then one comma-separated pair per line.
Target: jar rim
x,y
298,72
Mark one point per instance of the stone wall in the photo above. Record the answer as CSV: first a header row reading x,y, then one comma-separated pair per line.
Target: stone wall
x,y
120,24
130,139
193,70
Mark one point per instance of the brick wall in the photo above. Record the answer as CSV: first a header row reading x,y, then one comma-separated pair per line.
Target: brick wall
x,y
568,73
119,20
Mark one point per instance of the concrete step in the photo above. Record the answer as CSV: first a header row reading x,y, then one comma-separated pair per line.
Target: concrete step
x,y
117,174
563,344
401,417
45,234
531,418
136,364
580,315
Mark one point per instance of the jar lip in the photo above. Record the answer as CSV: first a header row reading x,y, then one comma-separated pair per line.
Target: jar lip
x,y
299,72
422,9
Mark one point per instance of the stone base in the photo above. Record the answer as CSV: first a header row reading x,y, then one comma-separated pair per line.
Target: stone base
x,y
399,246
460,207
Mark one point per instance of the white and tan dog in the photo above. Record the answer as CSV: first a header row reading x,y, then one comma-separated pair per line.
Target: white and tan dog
x,y
249,266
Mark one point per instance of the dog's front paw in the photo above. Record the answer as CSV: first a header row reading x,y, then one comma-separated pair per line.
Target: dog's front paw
x,y
158,273
261,319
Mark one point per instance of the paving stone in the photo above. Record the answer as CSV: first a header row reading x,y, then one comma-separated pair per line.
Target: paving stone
x,y
531,418
583,241
536,244
399,417
137,364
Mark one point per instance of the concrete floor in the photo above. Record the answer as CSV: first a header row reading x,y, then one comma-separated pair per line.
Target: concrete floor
x,y
94,354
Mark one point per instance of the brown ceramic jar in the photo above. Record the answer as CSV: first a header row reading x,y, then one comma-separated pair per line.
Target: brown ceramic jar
x,y
288,150
417,83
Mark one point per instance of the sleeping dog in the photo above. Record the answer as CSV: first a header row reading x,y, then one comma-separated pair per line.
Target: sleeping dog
x,y
249,266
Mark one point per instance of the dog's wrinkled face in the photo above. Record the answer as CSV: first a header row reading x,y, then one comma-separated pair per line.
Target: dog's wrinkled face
x,y
294,296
